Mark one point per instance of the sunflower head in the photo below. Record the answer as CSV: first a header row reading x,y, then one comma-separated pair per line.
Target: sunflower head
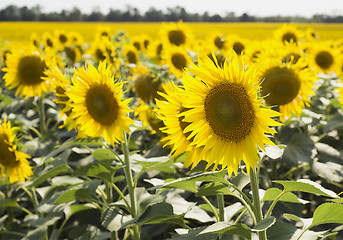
x,y
237,43
288,33
287,85
146,86
97,105
324,58
223,113
13,163
176,34
177,59
25,71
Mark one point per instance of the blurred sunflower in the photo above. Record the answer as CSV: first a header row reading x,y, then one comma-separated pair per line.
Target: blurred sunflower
x,y
71,54
287,85
177,59
237,43
324,58
311,34
25,71
146,85
13,163
130,54
61,37
48,40
154,50
97,105
217,40
288,33
102,32
176,34
224,114
146,113
98,50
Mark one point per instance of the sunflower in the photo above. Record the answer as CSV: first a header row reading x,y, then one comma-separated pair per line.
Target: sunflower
x,y
324,58
155,49
71,54
146,85
61,37
48,40
224,114
13,163
287,85
25,71
130,54
237,43
97,105
176,34
311,34
177,59
217,40
146,113
288,33
98,50
103,31
169,111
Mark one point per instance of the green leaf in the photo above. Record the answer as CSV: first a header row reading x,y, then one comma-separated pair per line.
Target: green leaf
x,y
157,213
63,168
73,195
264,224
89,142
189,183
193,234
305,185
98,170
227,228
334,123
328,213
149,201
9,203
70,210
281,231
103,154
163,164
213,188
299,149
113,220
272,193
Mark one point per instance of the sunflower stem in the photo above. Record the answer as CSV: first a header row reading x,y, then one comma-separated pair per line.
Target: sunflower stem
x,y
130,185
42,115
220,200
256,201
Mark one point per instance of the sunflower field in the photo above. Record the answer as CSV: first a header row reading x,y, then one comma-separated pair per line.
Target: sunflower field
x,y
168,134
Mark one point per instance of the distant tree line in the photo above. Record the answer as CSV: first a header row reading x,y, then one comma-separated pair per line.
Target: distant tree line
x,y
132,14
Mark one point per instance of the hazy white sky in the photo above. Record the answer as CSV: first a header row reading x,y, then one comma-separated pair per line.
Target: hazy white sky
x,y
253,7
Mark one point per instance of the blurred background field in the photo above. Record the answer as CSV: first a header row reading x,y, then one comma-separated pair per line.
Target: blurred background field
x,y
21,31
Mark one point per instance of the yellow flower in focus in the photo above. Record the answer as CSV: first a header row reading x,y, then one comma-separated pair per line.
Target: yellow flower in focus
x,y
97,105
224,114
25,71
13,163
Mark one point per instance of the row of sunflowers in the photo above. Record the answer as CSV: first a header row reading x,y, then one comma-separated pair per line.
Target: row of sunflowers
x,y
222,103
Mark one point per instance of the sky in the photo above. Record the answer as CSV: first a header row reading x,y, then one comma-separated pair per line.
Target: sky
x,y
306,8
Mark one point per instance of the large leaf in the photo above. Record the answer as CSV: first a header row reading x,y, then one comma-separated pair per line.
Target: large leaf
x,y
227,228
113,219
49,173
264,224
189,183
305,185
328,164
213,188
328,213
73,195
272,193
281,231
103,154
299,149
98,170
158,213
